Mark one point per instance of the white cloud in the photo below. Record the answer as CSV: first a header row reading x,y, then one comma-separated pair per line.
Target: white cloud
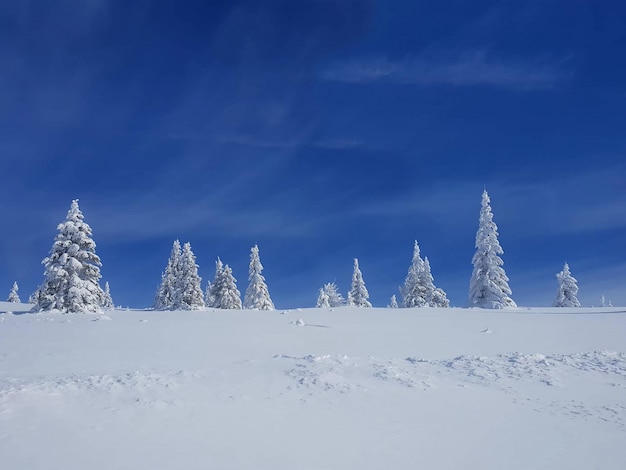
x,y
469,69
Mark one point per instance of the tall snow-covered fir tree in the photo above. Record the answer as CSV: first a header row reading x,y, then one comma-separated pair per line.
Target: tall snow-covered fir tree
x,y
224,289
189,295
168,290
358,295
414,293
13,295
72,271
489,285
107,300
257,294
568,288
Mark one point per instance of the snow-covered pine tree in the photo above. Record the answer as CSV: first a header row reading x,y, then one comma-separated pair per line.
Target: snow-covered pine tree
x,y
225,291
257,295
413,292
189,294
107,300
393,302
323,301
211,289
440,298
568,288
435,296
335,299
34,297
489,285
209,299
72,270
358,295
13,295
168,290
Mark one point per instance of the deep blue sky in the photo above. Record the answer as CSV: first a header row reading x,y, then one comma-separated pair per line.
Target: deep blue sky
x,y
321,130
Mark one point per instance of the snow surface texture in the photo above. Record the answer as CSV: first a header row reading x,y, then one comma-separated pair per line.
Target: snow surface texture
x,y
338,388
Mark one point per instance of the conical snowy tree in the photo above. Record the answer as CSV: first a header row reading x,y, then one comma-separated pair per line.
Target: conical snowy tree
x,y
568,288
209,299
225,292
414,293
358,295
489,285
72,270
189,294
211,289
435,296
107,300
393,303
168,290
257,295
323,301
13,295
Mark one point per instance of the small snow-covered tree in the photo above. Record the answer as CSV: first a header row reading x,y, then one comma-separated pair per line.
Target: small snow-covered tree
x,y
211,289
189,295
489,285
227,296
35,296
435,296
107,300
208,295
568,288
168,290
329,296
414,293
257,294
323,301
13,295
335,299
439,298
358,295
393,303
72,270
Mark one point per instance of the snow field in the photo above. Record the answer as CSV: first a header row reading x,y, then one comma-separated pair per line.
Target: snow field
x,y
348,388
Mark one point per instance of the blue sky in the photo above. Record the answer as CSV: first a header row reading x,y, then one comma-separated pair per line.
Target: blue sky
x,y
322,131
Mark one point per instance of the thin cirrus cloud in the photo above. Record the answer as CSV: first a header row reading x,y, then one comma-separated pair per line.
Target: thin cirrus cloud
x,y
549,207
474,69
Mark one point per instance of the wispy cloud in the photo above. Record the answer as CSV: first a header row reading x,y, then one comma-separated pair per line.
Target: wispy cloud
x,y
468,69
550,206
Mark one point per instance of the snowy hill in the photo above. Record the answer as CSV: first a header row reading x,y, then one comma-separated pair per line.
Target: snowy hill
x,y
342,388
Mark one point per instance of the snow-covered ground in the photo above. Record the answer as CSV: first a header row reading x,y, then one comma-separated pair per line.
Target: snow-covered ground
x,y
314,389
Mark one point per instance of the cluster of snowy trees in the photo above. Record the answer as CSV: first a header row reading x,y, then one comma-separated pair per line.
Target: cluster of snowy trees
x,y
418,290
72,278
180,287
